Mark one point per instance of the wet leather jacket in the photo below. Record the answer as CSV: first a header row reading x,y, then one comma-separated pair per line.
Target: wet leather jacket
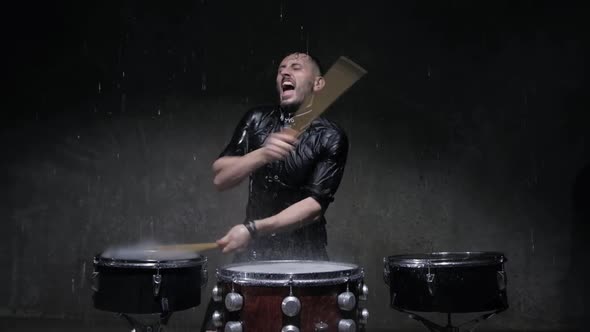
x,y
314,169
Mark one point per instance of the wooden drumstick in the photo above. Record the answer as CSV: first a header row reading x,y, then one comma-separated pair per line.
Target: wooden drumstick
x,y
339,78
190,246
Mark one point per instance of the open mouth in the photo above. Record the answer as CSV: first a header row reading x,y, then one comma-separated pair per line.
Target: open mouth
x,y
287,86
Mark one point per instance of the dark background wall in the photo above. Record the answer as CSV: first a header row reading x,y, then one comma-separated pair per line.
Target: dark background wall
x,y
468,133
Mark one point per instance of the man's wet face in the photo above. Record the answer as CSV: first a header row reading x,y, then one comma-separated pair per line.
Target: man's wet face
x,y
295,79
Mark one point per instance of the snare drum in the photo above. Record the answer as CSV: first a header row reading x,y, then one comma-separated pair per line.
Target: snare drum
x,y
447,282
271,296
143,280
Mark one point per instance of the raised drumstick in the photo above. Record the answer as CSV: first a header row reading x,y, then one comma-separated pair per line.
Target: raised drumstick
x,y
341,76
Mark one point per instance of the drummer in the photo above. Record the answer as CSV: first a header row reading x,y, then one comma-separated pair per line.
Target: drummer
x,y
292,179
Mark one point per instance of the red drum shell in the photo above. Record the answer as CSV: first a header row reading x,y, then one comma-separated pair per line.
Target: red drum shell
x,y
264,294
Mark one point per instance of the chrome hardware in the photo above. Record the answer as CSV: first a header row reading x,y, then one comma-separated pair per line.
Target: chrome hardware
x,y
233,327
363,316
233,301
216,293
156,281
94,281
164,305
501,277
346,301
431,283
386,271
320,327
217,319
346,325
363,291
291,306
204,275
290,328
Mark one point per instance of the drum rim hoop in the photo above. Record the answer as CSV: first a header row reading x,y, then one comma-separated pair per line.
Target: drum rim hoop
x,y
149,263
472,258
288,279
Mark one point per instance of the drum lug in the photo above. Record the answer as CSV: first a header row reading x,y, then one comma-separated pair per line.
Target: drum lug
x,y
363,316
156,281
216,293
204,275
290,328
430,281
233,301
233,327
363,291
94,281
291,306
164,305
346,301
501,277
217,319
346,325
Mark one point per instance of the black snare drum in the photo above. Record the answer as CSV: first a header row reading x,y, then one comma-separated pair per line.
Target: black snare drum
x,y
143,280
447,282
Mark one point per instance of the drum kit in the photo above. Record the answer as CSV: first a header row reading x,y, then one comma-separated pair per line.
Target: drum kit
x,y
293,295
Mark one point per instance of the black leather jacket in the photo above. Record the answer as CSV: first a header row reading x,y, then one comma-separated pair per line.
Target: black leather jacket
x,y
314,169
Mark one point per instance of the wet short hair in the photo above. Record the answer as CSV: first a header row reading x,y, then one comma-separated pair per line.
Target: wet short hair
x,y
313,59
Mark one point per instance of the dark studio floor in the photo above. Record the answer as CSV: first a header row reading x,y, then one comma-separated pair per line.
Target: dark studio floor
x,y
56,325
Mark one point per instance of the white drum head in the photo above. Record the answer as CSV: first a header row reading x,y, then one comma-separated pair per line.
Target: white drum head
x,y
284,273
147,256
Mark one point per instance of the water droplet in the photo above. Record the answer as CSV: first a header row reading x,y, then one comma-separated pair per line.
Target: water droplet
x,y
194,157
123,74
428,71
159,112
532,241
99,87
203,81
78,136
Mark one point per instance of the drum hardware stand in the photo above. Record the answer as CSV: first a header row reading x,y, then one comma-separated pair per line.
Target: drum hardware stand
x,y
433,327
137,326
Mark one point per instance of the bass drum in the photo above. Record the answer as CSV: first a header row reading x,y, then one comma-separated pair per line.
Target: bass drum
x,y
141,280
290,296
447,282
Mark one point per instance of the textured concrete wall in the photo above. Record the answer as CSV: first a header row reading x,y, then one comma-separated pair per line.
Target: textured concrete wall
x,y
467,134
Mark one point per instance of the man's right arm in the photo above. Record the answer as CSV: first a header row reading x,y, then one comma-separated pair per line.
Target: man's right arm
x,y
231,170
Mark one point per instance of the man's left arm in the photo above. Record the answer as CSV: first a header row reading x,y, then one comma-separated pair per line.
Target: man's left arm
x,y
295,216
